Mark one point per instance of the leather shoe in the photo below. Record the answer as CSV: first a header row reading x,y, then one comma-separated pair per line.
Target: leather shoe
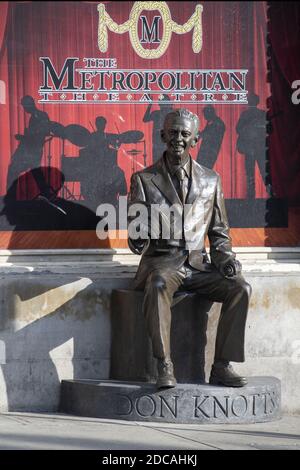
x,y
226,376
165,371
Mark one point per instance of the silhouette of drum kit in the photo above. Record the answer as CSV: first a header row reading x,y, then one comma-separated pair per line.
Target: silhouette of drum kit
x,y
75,168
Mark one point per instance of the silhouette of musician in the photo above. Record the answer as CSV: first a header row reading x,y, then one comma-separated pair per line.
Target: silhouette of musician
x,y
251,142
212,137
108,143
104,180
30,149
158,117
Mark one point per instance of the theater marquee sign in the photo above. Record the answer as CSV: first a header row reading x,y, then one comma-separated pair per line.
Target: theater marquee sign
x,y
150,33
93,80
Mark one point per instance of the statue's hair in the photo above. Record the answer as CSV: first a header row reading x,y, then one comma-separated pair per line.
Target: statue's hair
x,y
183,112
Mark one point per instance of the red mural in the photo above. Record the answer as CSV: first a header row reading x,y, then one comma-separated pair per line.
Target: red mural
x,y
74,71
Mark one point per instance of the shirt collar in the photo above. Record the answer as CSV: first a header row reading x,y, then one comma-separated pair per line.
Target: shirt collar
x,y
187,167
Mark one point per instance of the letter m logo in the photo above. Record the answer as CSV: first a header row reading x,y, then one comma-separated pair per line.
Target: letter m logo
x,y
150,35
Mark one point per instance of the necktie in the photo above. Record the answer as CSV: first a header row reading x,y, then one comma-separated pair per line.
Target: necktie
x,y
195,256
180,173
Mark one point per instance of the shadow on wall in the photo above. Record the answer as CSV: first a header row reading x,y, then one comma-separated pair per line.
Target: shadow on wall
x,y
52,326
50,330
32,202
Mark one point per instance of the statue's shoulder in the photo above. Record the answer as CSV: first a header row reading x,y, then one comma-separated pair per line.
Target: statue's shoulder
x,y
206,173
149,171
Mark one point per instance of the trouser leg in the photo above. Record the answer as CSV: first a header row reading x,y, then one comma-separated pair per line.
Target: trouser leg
x,y
158,294
234,294
232,323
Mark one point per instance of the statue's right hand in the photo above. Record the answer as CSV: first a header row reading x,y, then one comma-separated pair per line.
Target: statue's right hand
x,y
137,246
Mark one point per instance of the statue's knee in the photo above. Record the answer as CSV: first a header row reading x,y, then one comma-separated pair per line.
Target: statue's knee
x,y
248,289
156,281
245,288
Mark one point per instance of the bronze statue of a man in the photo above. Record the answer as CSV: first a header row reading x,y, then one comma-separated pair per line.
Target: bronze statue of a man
x,y
170,263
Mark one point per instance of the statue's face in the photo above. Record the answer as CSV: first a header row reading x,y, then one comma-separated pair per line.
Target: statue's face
x,y
180,135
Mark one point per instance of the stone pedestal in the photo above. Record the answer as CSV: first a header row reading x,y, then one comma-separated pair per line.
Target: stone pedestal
x,y
258,402
131,350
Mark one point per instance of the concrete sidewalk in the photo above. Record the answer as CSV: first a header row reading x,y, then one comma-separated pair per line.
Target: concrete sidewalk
x,y
33,431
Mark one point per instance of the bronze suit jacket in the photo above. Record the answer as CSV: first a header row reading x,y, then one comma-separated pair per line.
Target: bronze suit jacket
x,y
206,217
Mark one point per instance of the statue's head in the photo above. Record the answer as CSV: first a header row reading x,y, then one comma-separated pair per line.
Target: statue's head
x,y
180,134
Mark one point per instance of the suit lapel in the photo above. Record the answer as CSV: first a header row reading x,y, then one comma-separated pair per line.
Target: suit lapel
x,y
163,182
196,184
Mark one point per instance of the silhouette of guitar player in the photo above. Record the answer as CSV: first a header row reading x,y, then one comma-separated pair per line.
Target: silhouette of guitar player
x,y
212,137
251,142
30,149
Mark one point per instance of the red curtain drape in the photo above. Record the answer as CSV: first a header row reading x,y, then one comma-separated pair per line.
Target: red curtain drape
x,y
5,147
233,37
284,64
3,20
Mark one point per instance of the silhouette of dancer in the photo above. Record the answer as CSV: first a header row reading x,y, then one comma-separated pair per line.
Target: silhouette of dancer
x,y
30,149
158,117
251,142
212,137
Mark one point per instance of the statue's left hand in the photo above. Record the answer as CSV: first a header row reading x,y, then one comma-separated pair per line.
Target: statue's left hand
x,y
231,269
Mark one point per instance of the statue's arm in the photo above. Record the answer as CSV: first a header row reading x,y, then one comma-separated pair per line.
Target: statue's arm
x,y
136,198
221,252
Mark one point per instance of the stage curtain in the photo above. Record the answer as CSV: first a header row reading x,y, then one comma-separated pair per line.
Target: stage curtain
x,y
234,36
3,21
284,69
